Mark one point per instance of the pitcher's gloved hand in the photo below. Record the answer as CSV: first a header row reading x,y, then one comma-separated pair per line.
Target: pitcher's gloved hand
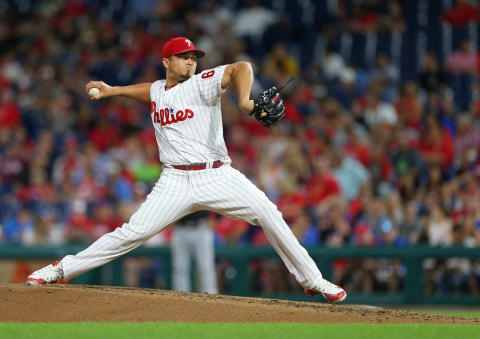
x,y
271,103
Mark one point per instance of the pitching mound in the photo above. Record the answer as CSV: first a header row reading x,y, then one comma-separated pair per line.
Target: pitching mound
x,y
62,303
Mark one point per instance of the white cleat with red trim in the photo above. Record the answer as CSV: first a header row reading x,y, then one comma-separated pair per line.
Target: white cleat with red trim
x,y
48,275
331,292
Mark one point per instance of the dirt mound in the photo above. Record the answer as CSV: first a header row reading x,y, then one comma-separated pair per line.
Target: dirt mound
x,y
61,303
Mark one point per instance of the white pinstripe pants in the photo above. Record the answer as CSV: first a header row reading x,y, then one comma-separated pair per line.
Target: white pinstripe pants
x,y
177,193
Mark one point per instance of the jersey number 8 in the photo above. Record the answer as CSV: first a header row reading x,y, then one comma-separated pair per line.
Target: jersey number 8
x,y
208,74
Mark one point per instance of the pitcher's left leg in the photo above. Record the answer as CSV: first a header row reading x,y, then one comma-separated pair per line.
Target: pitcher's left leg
x,y
230,193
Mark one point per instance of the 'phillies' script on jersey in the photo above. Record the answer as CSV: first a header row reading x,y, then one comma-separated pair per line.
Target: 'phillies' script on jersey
x,y
168,116
188,119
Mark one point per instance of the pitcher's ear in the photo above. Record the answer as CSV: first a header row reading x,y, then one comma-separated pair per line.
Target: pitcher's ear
x,y
165,62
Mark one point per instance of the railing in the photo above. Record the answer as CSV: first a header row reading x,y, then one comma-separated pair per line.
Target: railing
x,y
240,257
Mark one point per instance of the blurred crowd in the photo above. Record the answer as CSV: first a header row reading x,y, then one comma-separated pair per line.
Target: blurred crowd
x,y
367,155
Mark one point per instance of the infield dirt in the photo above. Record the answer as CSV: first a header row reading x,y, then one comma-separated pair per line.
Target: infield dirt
x,y
71,303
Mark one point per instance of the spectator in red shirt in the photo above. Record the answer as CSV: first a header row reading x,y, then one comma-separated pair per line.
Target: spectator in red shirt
x,y
239,142
356,148
89,188
461,14
104,220
436,145
229,231
80,228
409,107
292,112
291,201
364,19
39,190
323,188
9,112
105,135
13,165
120,113
463,60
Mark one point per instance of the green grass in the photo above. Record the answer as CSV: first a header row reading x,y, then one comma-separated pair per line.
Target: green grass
x,y
235,330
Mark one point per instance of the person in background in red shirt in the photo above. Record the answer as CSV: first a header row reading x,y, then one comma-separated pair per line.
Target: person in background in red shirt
x,y
104,135
409,106
80,227
463,60
9,111
356,148
323,188
364,18
105,219
461,14
436,145
291,201
229,231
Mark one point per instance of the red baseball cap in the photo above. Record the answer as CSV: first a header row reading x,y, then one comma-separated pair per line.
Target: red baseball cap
x,y
180,45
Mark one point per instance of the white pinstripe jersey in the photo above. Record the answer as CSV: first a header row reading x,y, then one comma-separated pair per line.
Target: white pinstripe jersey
x,y
188,119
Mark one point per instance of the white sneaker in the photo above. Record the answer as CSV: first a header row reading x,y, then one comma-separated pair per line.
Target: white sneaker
x,y
48,275
331,292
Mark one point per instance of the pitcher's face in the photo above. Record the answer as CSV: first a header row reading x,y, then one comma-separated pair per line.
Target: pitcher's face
x,y
181,66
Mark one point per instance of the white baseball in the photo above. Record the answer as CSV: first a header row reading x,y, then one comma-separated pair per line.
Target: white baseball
x,y
93,91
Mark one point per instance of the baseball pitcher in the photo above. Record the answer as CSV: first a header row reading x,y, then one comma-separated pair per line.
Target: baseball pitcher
x,y
187,117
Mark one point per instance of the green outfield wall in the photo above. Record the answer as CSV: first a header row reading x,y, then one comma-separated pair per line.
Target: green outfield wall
x,y
241,281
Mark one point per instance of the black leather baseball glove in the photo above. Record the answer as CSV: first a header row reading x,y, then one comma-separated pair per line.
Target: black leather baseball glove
x,y
270,102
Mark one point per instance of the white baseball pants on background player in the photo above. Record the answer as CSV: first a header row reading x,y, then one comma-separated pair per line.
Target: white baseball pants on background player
x,y
177,193
194,242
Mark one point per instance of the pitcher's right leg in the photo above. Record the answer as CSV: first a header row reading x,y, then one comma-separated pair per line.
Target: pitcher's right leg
x,y
169,200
